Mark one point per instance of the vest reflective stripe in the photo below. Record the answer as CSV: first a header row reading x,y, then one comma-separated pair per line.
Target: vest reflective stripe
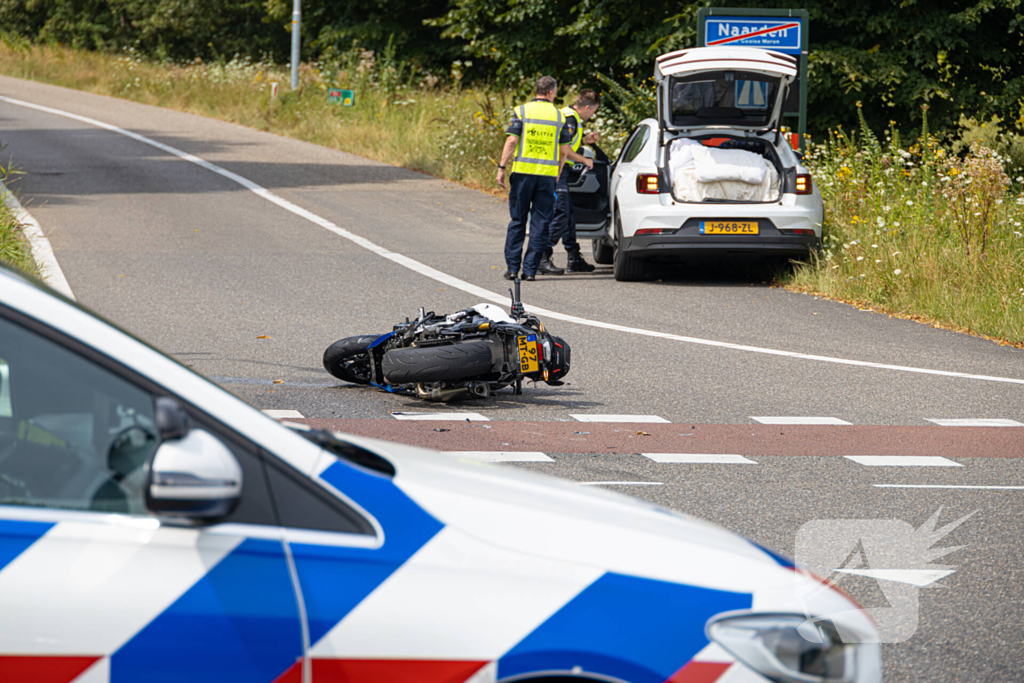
x,y
577,138
537,151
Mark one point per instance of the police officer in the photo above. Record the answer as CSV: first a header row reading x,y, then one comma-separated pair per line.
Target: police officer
x,y
538,139
563,224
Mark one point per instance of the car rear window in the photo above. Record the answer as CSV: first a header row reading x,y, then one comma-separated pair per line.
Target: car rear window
x,y
723,98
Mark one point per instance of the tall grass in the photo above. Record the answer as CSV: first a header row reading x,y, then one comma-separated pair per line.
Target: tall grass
x,y
14,246
916,230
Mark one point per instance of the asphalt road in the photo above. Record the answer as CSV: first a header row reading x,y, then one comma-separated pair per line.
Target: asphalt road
x,y
250,294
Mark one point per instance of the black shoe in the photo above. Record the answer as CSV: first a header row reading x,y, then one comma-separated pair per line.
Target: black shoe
x,y
511,275
529,278
578,265
548,268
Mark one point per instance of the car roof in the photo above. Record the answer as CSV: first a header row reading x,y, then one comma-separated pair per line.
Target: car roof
x,y
724,58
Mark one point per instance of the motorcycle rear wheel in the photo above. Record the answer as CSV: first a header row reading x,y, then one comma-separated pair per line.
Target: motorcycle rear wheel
x,y
437,363
348,359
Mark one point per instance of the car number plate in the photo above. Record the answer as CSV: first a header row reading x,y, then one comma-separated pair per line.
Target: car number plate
x,y
529,357
728,227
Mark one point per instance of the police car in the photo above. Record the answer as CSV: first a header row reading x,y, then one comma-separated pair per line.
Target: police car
x,y
710,177
153,527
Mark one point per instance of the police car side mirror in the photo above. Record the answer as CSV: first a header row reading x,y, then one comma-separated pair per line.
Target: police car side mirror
x,y
194,478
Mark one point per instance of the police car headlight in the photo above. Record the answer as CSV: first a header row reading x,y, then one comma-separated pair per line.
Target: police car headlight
x,y
786,648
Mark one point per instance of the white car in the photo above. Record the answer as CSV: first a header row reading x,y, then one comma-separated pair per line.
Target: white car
x,y
711,176
153,527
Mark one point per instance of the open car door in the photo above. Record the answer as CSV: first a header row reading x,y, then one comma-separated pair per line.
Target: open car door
x,y
588,191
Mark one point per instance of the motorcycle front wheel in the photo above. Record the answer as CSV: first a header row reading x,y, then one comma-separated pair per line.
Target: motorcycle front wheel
x,y
349,360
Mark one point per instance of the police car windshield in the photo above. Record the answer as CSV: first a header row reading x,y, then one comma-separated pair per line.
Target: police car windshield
x,y
723,98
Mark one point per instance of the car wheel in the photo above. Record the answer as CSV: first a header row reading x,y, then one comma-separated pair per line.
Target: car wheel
x,y
603,252
627,268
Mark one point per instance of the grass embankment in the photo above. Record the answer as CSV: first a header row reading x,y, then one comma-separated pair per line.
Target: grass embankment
x,y
14,247
917,231
910,230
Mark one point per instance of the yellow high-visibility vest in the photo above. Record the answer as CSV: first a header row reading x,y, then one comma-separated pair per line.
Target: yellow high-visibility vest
x,y
577,138
537,151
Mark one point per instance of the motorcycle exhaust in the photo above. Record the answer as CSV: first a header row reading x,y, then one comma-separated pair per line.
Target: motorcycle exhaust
x,y
441,395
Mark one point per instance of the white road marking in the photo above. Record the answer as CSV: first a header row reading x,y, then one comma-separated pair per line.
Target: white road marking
x,y
948,486
647,419
902,461
472,417
801,421
620,483
501,456
282,414
42,251
699,458
977,423
468,287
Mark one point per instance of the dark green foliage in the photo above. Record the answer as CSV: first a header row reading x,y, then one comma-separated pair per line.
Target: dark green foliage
x,y
960,57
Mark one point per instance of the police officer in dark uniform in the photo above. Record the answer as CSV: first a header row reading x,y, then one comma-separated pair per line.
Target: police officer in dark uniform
x,y
538,139
563,224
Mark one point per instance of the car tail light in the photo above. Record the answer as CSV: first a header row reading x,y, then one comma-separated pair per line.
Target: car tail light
x,y
803,183
796,231
655,231
647,183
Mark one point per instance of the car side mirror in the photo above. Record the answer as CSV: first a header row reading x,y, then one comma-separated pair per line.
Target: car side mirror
x,y
194,478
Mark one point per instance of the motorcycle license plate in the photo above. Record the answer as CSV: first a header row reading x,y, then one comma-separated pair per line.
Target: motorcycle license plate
x,y
728,227
529,357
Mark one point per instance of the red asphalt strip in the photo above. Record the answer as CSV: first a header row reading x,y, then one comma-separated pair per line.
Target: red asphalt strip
x,y
753,440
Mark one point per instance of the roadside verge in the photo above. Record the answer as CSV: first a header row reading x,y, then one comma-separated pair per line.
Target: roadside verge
x,y
42,250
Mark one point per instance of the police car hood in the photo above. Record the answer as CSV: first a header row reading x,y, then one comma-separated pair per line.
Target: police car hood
x,y
562,520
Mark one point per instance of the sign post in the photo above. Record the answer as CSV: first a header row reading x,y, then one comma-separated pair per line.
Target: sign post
x,y
781,30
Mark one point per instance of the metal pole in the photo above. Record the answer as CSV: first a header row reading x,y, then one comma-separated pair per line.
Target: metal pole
x,y
296,40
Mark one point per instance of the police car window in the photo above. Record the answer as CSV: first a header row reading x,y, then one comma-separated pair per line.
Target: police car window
x,y
72,434
636,143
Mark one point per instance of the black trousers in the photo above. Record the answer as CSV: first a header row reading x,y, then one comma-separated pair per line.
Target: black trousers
x,y
533,197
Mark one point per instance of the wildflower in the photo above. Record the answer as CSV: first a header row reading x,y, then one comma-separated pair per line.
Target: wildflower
x,y
874,246
897,272
896,253
878,260
860,258
896,224
880,222
910,203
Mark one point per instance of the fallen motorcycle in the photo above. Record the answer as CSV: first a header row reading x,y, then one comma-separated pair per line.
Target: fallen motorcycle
x,y
468,354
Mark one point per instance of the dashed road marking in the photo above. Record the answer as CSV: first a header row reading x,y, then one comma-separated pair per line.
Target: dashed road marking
x,y
948,486
283,414
462,417
649,419
783,420
699,458
501,456
902,461
470,288
984,422
620,483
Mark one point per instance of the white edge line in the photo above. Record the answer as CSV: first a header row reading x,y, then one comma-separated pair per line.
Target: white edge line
x,y
947,486
470,288
42,250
